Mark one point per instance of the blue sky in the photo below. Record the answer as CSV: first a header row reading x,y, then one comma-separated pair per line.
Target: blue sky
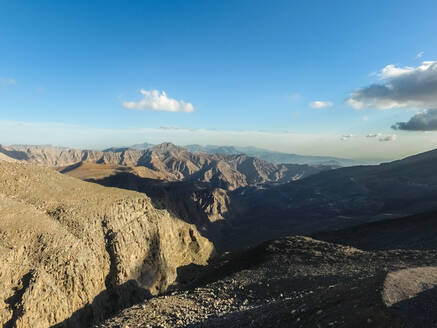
x,y
249,69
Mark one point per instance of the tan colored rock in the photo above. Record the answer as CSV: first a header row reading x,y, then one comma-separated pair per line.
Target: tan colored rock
x,y
406,284
6,158
70,247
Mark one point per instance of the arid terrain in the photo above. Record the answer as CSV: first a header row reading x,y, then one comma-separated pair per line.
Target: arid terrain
x,y
211,240
299,282
73,252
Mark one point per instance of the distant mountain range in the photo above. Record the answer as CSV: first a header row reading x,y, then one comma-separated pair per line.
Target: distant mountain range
x,y
277,157
167,161
268,155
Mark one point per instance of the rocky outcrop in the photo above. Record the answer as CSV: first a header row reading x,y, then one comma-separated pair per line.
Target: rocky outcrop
x,y
73,252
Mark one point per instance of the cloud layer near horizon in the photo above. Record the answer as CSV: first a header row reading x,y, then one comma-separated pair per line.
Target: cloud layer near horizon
x,y
413,87
158,101
360,146
423,121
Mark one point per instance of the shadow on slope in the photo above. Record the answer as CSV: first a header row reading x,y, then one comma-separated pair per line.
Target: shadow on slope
x,y
419,311
175,197
411,232
107,304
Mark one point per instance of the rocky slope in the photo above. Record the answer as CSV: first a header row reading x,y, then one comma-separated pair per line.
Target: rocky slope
x,y
410,232
73,252
6,158
298,282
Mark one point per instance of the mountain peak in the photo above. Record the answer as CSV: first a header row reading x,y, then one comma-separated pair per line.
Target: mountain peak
x,y
167,146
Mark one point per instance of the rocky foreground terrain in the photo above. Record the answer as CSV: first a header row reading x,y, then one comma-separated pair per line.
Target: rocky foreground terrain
x,y
72,252
298,282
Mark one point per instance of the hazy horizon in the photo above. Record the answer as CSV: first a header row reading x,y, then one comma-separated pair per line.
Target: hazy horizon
x,y
178,137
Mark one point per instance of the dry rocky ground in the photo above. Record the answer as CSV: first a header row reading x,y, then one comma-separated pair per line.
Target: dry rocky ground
x,y
298,282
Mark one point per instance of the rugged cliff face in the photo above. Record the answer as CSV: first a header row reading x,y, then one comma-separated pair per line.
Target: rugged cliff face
x,y
73,252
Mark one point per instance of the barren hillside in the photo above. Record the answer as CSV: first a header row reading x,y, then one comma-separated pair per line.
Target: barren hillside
x,y
73,252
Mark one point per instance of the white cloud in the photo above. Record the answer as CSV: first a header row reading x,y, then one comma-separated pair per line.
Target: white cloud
x,y
391,71
158,101
320,104
411,87
420,54
7,81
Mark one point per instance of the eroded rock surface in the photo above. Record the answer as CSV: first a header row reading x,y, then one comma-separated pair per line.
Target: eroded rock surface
x,y
73,252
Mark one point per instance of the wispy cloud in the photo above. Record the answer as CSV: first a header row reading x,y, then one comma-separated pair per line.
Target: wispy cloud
x,y
7,81
411,87
392,137
158,101
320,104
346,137
420,54
422,121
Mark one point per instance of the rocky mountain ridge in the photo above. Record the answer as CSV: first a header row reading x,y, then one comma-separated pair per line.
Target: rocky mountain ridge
x,y
274,157
170,162
278,157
